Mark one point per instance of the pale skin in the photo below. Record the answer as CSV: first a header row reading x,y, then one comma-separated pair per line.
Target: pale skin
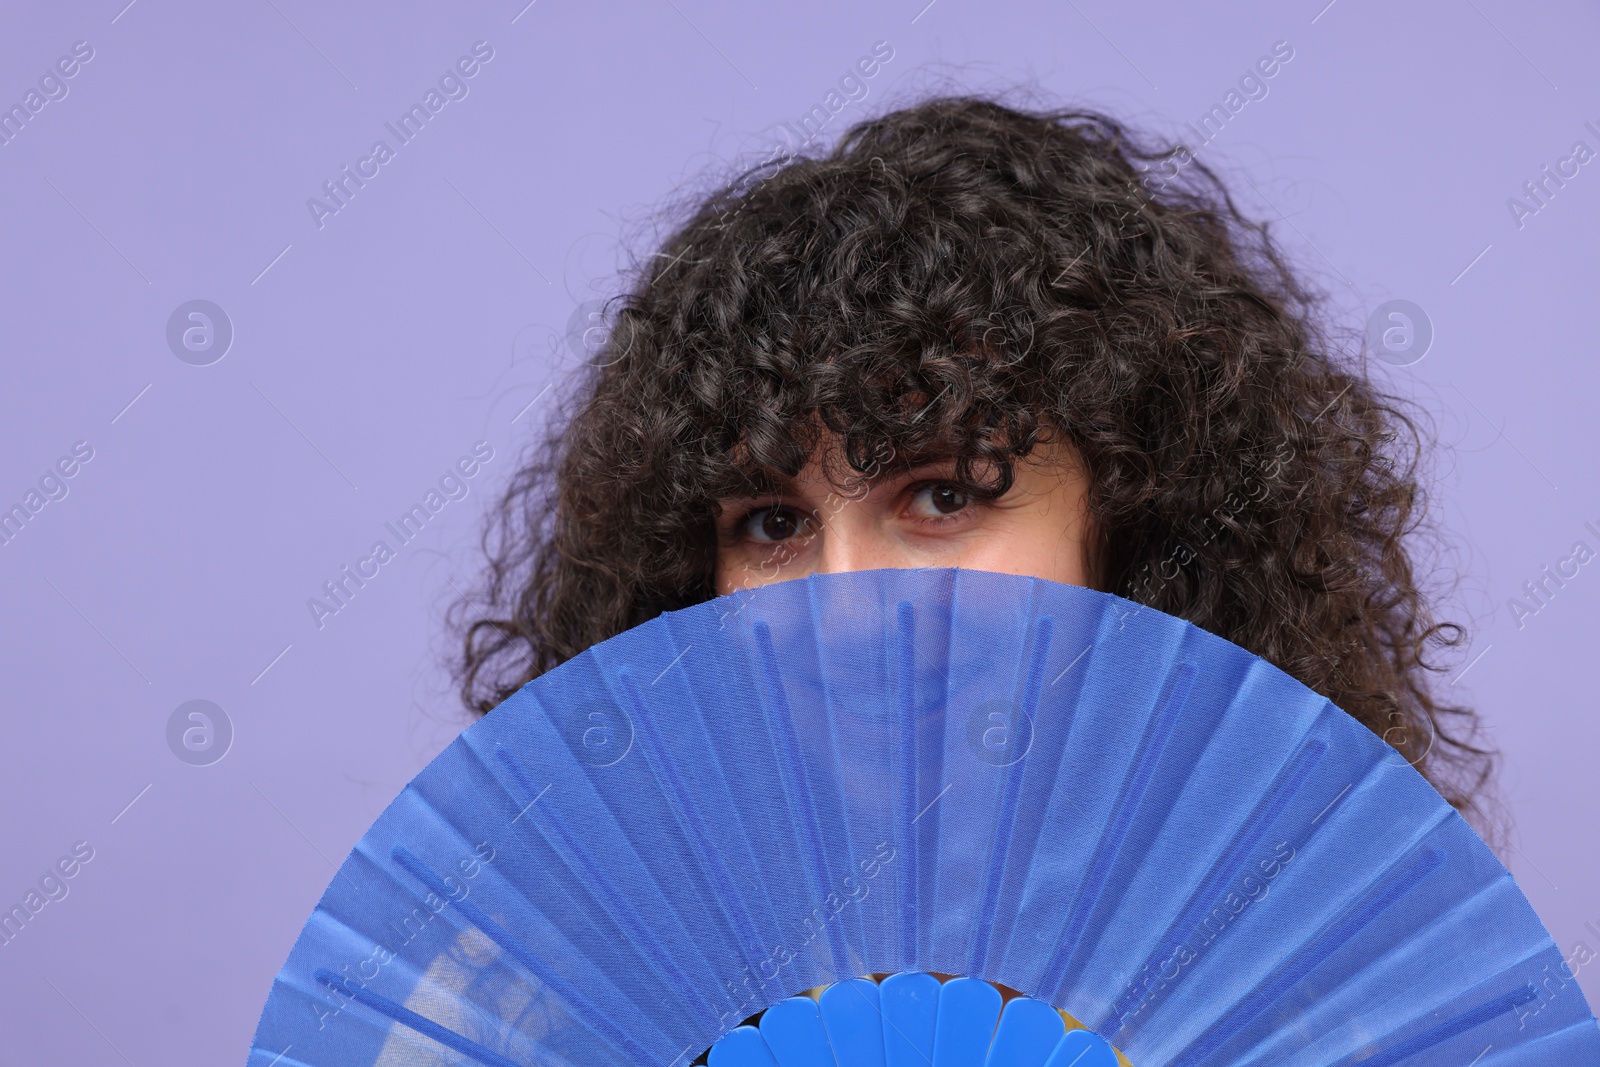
x,y
1040,527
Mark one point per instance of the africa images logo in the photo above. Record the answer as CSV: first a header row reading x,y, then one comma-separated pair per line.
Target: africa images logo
x,y
453,485
52,87
452,86
852,89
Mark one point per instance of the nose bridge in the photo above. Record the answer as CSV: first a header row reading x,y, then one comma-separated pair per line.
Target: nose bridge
x,y
850,541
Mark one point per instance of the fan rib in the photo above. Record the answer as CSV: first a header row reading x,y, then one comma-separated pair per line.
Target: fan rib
x,y
582,1008
1110,845
420,1023
969,1010
1006,817
1446,1030
743,1046
790,746
905,641
582,863
1212,891
852,1011
1302,964
1027,1032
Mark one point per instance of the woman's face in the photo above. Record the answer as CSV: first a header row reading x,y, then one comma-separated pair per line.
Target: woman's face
x,y
1040,527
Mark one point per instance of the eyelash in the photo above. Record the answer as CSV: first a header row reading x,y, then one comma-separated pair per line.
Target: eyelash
x,y
737,530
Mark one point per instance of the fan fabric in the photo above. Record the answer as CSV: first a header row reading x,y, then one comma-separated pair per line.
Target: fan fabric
x,y
950,771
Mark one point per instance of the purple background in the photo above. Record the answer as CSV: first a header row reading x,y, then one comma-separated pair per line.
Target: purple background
x,y
431,310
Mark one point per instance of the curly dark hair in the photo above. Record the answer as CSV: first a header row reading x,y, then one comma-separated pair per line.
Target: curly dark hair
x,y
956,278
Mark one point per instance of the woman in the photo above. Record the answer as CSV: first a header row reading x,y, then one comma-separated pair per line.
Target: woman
x,y
971,335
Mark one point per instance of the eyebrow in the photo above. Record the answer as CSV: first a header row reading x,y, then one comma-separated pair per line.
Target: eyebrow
x,y
762,487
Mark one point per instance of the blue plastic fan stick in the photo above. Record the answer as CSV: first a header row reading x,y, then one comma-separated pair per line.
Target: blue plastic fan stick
x,y
549,821
968,1009
699,837
1006,817
578,1004
1445,1031
1213,890
1029,1029
1303,962
905,644
421,1024
794,1032
789,745
1110,845
910,1002
1082,1048
743,1046
854,1019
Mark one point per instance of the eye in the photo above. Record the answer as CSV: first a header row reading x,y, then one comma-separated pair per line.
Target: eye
x,y
776,523
943,498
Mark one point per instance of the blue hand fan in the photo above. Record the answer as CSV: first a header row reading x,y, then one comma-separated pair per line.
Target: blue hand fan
x,y
952,772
